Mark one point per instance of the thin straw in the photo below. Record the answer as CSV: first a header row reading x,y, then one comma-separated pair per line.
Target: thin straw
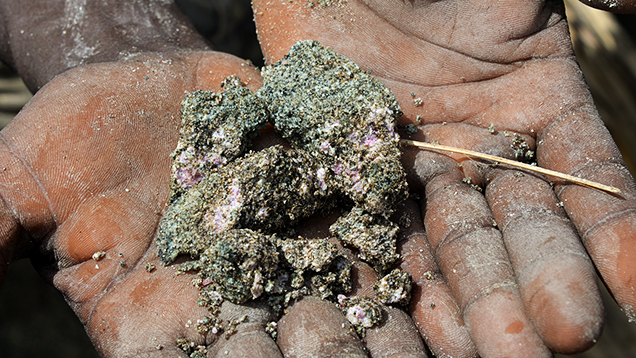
x,y
514,163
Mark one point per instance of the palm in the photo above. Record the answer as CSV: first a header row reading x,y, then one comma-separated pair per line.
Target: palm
x,y
110,146
473,65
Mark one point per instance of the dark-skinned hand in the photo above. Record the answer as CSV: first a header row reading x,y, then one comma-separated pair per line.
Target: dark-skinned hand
x,y
85,168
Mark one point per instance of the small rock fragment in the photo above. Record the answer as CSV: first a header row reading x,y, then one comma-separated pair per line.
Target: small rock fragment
x,y
216,128
303,254
99,255
325,104
394,288
240,262
373,235
362,312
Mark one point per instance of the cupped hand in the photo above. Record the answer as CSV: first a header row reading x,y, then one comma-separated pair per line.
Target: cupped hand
x,y
85,180
501,257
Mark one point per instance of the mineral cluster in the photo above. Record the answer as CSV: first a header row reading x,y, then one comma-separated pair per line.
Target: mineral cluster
x,y
233,211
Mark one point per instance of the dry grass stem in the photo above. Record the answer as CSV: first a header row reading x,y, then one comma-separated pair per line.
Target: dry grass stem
x,y
514,163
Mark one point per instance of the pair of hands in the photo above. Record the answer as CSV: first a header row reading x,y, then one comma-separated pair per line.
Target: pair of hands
x,y
85,168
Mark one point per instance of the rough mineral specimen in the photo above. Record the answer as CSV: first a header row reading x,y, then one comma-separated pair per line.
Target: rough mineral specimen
x,y
325,104
373,235
215,129
266,190
234,211
242,260
362,312
394,288
303,254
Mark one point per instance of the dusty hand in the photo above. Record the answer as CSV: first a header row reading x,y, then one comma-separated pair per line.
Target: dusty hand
x,y
90,155
507,269
86,172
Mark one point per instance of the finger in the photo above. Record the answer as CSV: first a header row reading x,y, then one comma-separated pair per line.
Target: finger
x,y
396,335
473,259
556,278
147,309
14,203
577,143
250,339
433,307
317,328
144,312
103,240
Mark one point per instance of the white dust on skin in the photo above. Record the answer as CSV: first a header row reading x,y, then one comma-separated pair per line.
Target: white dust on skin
x,y
135,22
76,50
610,3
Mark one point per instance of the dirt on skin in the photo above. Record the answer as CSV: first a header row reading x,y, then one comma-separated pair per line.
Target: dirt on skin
x,y
233,211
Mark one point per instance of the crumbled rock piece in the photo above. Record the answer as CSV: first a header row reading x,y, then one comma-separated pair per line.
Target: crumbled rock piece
x,y
191,349
210,297
332,280
216,128
98,255
240,262
266,190
362,312
522,149
272,329
304,254
394,288
374,236
325,104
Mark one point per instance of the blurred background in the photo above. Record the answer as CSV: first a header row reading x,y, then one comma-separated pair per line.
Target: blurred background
x,y
36,322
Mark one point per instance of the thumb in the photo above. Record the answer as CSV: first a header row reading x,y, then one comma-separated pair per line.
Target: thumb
x,y
25,218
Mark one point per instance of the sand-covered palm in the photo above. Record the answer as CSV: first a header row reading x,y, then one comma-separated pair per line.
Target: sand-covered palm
x,y
487,76
87,165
